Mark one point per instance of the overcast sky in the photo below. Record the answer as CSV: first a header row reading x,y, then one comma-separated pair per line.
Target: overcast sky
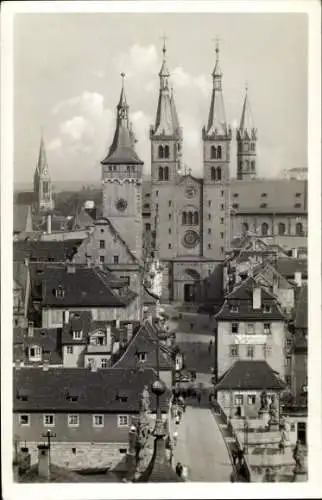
x,y
67,79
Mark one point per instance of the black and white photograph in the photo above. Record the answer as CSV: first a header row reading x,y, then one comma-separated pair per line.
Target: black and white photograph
x,y
160,178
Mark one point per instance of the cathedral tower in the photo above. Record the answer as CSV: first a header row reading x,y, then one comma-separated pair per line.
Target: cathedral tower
x,y
166,144
216,163
246,144
122,181
42,182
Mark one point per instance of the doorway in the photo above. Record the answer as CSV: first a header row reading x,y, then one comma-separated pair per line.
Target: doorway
x,y
301,432
189,292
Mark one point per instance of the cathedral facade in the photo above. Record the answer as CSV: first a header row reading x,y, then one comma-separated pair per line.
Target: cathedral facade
x,y
189,222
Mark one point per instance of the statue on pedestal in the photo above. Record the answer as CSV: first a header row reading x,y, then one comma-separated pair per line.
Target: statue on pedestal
x,y
273,411
264,401
299,458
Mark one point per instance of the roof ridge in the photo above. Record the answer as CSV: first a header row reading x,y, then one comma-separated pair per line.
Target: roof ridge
x,y
122,240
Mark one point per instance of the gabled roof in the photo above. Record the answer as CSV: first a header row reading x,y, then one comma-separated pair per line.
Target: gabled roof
x,y
48,390
242,297
86,287
78,320
289,266
116,234
301,320
46,338
144,341
250,375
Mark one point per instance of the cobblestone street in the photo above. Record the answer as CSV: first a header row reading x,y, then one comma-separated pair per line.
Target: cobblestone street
x,y
201,448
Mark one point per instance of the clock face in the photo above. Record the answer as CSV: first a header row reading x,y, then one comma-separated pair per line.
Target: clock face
x,y
190,239
121,204
190,191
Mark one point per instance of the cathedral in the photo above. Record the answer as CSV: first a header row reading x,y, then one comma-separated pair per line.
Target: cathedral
x,y
192,221
189,223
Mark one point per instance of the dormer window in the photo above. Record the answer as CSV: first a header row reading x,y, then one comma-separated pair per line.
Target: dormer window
x,y
142,356
34,353
72,395
267,308
59,292
263,195
122,397
263,205
22,394
297,195
77,335
234,308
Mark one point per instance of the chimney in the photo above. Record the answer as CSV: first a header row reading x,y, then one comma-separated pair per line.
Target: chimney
x,y
44,461
257,297
66,317
117,323
71,268
129,327
298,278
30,328
45,366
48,223
108,338
294,253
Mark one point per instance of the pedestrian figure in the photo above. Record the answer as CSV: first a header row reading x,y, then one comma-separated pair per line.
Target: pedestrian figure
x,y
234,454
175,438
179,469
281,446
199,397
240,456
209,347
191,326
177,419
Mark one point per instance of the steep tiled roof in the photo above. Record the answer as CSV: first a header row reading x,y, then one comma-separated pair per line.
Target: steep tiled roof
x,y
78,320
241,296
145,340
48,390
87,287
287,267
301,309
58,251
104,221
280,195
250,375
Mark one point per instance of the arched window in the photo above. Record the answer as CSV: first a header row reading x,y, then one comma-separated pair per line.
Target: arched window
x,y
190,218
264,229
245,227
184,218
166,151
196,218
219,152
160,174
166,173
213,152
247,164
253,165
213,173
160,151
299,229
128,169
281,228
218,176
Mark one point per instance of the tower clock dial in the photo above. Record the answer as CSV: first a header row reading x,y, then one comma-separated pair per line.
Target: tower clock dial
x,y
121,204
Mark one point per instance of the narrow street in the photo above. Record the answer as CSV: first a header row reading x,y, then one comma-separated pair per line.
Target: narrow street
x,y
200,447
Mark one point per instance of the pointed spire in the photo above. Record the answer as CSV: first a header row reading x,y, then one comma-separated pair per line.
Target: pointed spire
x,y
42,165
122,147
246,122
217,124
166,122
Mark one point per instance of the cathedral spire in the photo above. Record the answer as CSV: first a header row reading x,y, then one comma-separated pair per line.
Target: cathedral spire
x,y
122,148
246,127
42,165
166,122
217,124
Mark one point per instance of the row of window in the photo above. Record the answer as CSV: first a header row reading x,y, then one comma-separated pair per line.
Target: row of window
x,y
250,328
250,350
128,168
215,174
245,147
249,165
163,152
215,152
73,420
281,228
190,218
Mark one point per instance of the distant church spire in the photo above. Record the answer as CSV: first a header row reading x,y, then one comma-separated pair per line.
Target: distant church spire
x,y
217,124
246,126
122,148
42,181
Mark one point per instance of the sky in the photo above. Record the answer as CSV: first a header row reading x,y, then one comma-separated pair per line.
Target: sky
x,y
67,84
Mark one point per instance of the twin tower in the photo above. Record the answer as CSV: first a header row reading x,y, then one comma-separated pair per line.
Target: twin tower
x,y
122,168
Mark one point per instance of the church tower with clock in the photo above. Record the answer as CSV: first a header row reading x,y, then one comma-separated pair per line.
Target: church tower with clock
x,y
122,181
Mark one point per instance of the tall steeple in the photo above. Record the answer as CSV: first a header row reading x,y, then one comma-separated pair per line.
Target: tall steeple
x,y
122,147
246,143
166,123
42,181
217,124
